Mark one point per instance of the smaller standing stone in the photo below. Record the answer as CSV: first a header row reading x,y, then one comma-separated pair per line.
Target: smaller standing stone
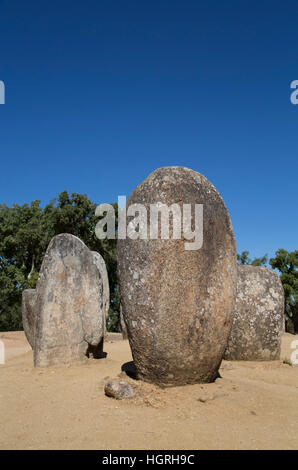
x,y
105,281
28,314
71,305
259,316
119,389
123,325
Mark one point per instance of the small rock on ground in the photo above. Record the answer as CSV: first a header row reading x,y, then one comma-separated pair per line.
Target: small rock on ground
x,y
204,398
119,389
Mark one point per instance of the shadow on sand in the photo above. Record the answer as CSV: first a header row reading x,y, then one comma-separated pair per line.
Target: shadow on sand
x,y
130,370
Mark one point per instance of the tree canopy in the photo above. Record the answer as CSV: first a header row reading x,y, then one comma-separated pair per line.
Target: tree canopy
x,y
25,232
243,258
287,264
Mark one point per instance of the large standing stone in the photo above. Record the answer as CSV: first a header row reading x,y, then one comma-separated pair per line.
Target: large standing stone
x,y
70,304
122,324
28,314
178,304
259,316
105,281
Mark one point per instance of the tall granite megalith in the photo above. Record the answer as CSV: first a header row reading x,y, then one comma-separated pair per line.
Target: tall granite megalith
x,y
71,302
105,282
259,316
122,324
178,303
28,314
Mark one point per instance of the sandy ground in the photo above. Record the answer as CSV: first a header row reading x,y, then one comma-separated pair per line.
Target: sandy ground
x,y
253,406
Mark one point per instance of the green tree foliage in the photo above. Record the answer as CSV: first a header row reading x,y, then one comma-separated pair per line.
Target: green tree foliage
x,y
22,244
243,258
287,264
260,261
25,232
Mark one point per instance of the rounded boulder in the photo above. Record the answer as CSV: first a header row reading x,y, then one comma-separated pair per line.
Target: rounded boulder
x,y
177,294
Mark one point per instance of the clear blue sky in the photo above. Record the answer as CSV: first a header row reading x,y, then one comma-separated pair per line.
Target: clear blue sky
x,y
101,93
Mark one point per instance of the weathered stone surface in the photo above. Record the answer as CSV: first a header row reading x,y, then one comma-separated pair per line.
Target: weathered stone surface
x,y
105,280
70,310
119,389
177,304
122,325
259,316
28,314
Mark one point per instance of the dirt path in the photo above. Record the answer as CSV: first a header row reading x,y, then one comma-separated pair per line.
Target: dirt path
x,y
254,406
